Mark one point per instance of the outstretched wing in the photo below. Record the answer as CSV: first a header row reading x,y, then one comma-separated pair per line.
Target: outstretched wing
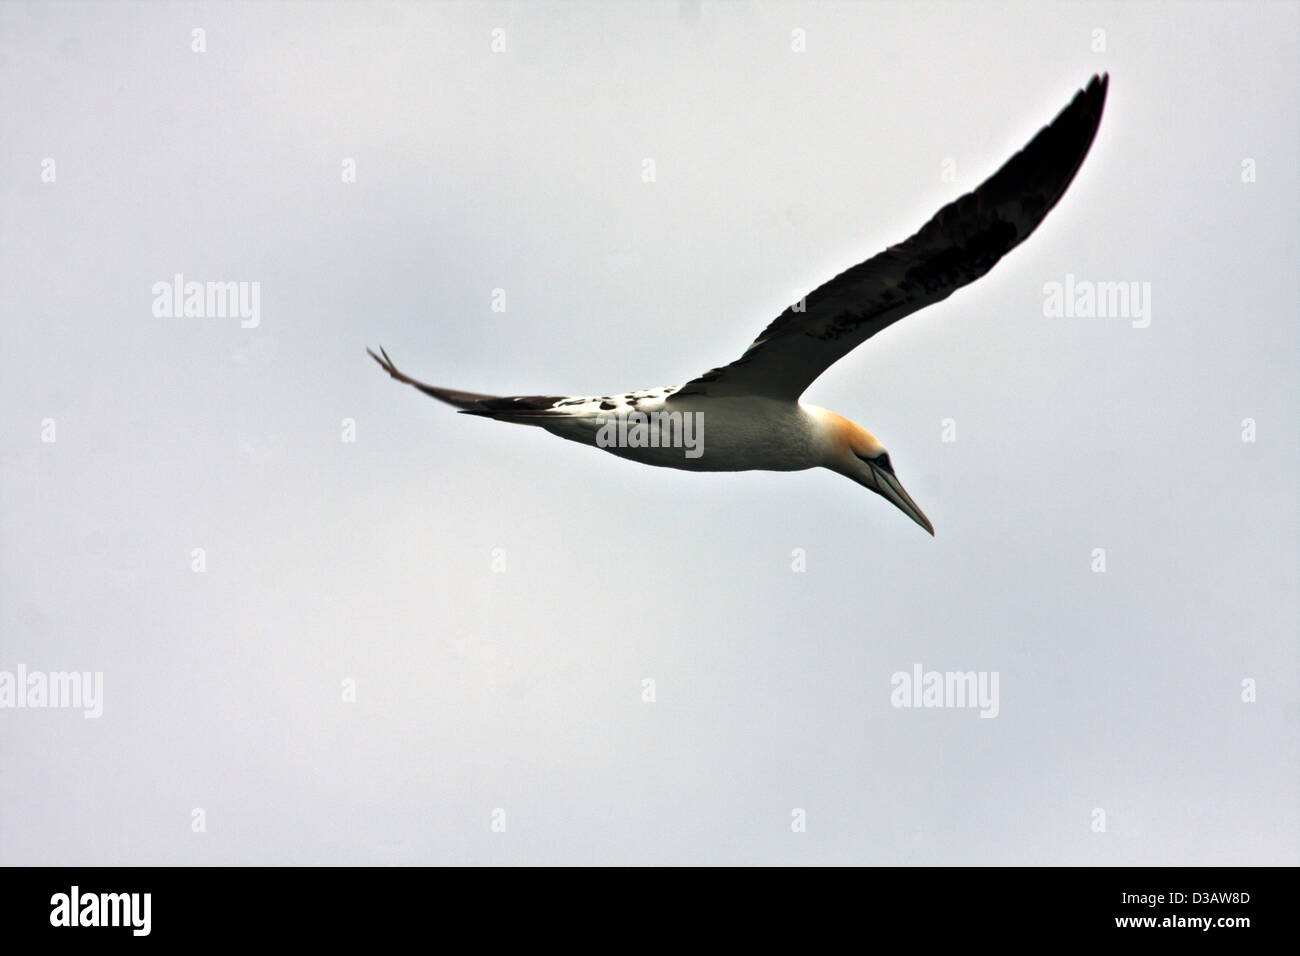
x,y
449,395
530,409
962,242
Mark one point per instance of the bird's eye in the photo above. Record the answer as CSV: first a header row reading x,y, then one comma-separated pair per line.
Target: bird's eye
x,y
881,461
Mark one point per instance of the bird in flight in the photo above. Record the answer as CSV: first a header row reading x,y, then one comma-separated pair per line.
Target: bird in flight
x,y
747,415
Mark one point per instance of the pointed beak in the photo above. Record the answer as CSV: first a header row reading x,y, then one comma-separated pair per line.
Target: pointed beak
x,y
886,484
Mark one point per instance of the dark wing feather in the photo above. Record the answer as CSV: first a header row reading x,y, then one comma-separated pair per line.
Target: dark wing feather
x,y
449,395
960,244
505,408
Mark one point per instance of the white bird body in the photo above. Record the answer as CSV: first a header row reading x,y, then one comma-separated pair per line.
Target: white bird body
x,y
741,433
748,415
744,433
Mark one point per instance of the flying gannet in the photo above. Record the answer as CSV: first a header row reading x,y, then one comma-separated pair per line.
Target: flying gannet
x,y
748,413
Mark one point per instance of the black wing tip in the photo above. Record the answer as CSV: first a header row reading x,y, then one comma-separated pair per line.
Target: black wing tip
x,y
1094,89
1046,166
1084,111
462,400
385,363
1094,94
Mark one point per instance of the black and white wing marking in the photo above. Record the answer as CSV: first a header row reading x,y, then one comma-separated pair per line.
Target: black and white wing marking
x,y
962,242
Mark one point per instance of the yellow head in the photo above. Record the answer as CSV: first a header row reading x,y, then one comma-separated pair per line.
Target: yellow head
x,y
855,452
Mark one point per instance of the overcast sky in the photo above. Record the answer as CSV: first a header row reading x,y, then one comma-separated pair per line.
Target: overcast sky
x,y
431,644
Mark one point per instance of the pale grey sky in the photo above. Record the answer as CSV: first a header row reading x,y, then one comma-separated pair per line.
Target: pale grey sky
x,y
521,690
